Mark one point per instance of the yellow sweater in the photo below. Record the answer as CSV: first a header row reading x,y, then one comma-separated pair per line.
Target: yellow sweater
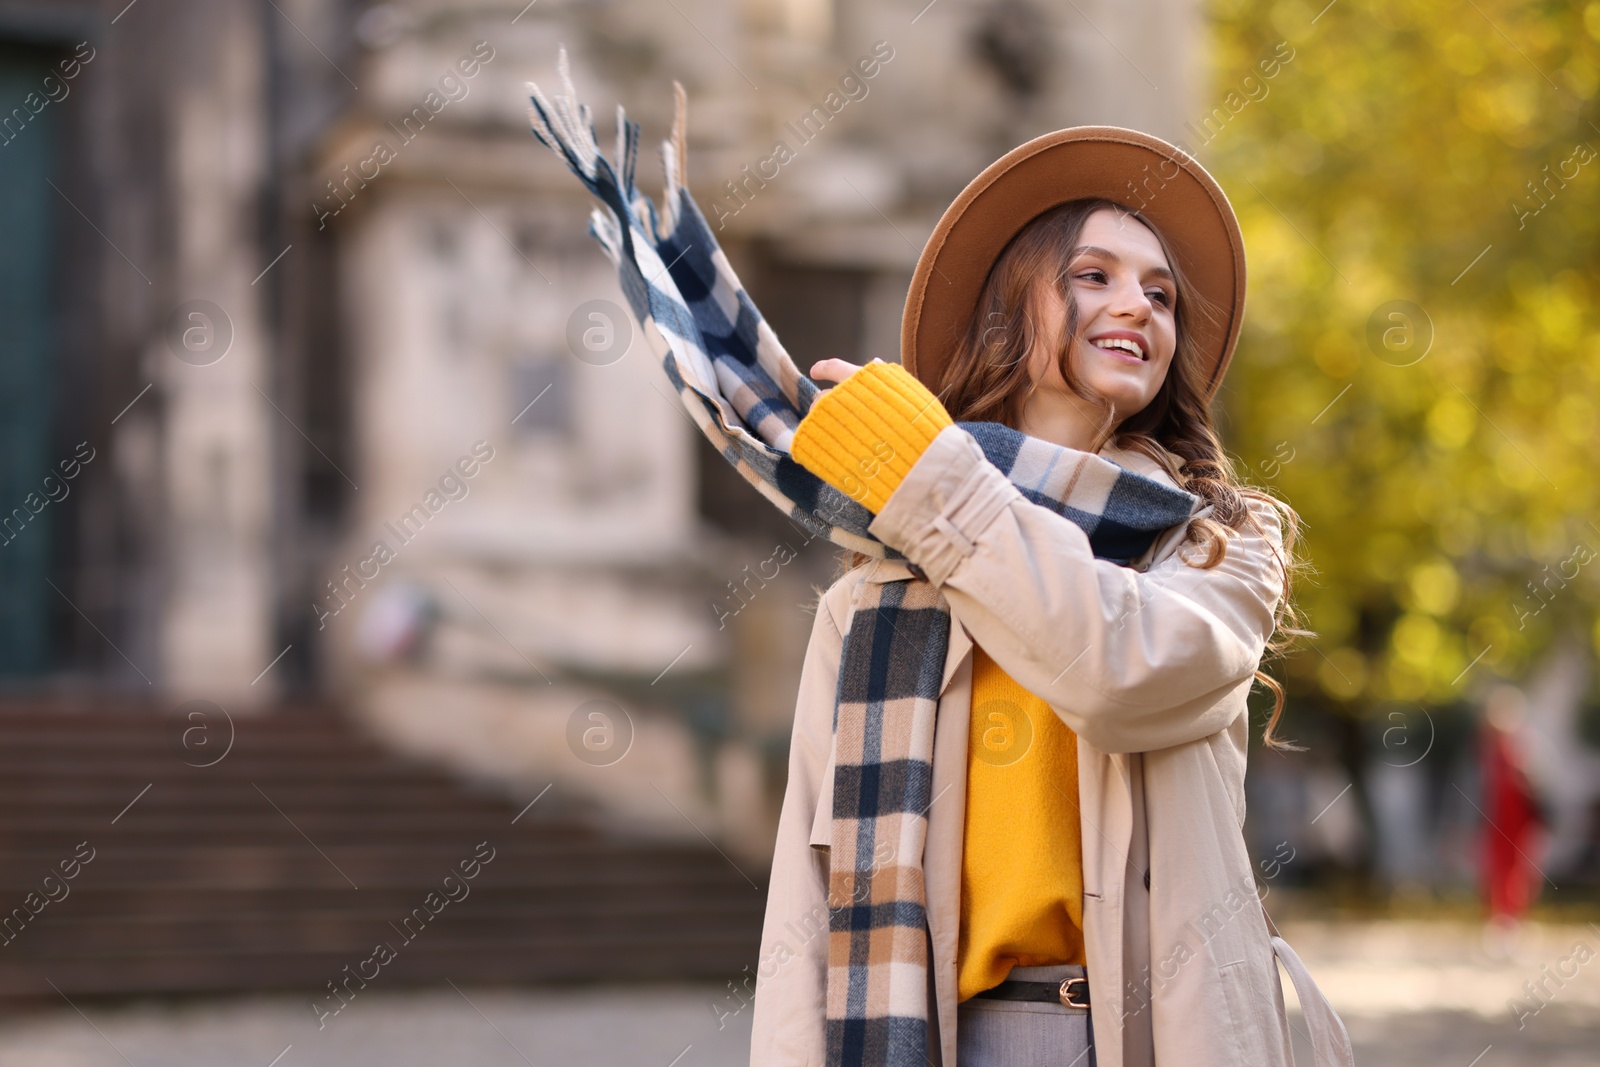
x,y
1021,858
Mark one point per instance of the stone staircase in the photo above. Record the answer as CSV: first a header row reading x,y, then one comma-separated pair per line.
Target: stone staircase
x,y
134,860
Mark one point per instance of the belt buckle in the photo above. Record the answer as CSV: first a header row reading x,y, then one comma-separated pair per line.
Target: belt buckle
x,y
1072,989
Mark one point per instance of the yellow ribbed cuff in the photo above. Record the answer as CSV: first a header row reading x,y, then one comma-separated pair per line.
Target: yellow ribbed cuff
x,y
863,435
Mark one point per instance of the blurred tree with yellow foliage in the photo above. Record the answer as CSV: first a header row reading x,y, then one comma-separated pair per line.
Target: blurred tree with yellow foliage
x,y
1419,188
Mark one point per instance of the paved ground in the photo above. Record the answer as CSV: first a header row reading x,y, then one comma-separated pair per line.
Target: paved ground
x,y
654,1026
1428,993
1411,993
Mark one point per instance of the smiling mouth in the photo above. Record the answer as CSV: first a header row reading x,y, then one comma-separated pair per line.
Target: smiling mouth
x,y
1122,346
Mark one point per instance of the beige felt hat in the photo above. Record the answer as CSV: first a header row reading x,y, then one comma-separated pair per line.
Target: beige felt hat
x,y
1159,180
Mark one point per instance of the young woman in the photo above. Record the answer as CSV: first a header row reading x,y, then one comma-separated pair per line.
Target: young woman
x,y
1012,831
1083,891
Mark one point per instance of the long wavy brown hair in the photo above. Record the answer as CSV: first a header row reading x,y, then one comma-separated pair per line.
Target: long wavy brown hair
x,y
987,380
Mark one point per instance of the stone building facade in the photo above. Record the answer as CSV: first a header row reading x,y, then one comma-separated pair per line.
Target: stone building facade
x,y
368,423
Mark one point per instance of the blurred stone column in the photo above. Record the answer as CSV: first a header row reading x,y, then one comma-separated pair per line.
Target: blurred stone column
x,y
211,359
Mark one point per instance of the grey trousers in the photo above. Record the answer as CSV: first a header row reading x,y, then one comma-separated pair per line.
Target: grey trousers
x,y
1017,1033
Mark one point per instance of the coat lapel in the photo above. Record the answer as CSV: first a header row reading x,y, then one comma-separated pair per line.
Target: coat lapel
x,y
941,864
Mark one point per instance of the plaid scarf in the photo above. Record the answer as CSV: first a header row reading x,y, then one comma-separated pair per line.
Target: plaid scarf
x,y
747,396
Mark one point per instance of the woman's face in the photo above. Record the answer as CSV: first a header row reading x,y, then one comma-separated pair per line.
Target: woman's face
x,y
1125,294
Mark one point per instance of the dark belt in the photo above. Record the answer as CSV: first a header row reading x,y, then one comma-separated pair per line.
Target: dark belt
x,y
1073,992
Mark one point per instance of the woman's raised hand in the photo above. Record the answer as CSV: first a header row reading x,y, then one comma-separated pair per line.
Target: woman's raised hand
x,y
835,370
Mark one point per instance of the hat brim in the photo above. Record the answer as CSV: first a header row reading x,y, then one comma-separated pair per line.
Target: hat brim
x,y
1159,180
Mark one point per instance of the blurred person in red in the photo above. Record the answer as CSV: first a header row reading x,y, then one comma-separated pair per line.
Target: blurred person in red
x,y
1514,818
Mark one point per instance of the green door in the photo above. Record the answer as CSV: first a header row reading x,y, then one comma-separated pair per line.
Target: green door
x,y
27,345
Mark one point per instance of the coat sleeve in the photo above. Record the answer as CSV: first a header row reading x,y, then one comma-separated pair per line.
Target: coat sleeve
x,y
1131,661
791,976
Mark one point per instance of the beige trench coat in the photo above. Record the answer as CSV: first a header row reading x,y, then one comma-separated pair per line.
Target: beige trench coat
x,y
1151,666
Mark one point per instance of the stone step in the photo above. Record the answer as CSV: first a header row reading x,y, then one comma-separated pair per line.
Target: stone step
x,y
205,884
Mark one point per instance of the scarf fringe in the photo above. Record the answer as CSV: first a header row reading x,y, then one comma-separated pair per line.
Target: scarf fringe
x,y
675,163
566,127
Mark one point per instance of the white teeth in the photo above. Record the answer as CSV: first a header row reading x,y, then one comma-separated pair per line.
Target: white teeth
x,y
1122,343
